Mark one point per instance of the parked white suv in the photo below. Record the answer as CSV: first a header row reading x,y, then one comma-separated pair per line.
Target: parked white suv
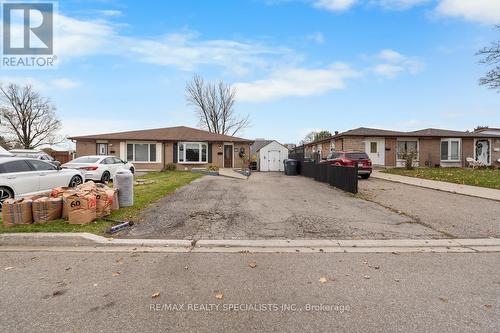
x,y
99,168
21,177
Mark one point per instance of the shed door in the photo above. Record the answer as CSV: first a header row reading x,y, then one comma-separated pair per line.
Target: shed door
x,y
274,160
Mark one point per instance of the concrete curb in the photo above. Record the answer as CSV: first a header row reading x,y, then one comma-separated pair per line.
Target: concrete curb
x,y
89,242
82,239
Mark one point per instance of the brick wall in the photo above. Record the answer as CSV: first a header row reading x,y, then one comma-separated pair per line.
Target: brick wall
x,y
114,148
353,144
339,144
467,149
495,155
84,148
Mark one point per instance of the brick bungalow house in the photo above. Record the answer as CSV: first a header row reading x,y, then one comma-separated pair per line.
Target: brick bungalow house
x,y
434,147
152,149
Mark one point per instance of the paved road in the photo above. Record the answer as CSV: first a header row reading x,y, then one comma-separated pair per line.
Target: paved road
x,y
83,292
271,205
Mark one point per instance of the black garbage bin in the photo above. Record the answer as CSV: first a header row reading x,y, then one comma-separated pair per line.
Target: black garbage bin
x,y
290,167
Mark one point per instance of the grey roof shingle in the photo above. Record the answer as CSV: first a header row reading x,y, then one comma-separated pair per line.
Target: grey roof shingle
x,y
178,133
258,144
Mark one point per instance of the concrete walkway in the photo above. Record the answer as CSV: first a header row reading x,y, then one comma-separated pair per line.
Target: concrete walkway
x,y
227,172
473,191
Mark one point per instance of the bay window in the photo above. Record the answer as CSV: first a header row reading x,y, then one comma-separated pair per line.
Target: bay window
x,y
141,152
192,152
450,150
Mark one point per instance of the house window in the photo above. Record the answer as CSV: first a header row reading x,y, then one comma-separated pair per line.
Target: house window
x,y
192,152
406,147
373,147
450,150
141,152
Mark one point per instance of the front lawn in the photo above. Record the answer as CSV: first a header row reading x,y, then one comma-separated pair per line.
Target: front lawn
x,y
144,195
478,177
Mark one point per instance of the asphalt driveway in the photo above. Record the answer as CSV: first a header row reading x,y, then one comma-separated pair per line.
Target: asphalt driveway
x,y
455,215
271,205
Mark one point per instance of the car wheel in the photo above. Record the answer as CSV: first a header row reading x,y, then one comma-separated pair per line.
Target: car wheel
x,y
132,170
106,176
75,181
5,193
365,176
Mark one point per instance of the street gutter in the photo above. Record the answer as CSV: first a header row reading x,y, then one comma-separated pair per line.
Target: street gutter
x,y
86,242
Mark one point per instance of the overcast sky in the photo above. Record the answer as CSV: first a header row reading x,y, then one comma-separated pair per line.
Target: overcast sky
x,y
297,65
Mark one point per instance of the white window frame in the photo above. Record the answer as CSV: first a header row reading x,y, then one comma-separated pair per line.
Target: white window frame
x,y
200,146
449,141
149,152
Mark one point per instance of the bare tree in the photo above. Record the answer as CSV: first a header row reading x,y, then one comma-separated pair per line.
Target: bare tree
x,y
27,117
315,136
214,105
308,138
491,56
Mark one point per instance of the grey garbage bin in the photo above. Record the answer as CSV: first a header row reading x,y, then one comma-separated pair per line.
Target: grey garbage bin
x,y
290,167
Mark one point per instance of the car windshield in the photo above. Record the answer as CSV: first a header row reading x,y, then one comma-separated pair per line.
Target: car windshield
x,y
85,160
357,156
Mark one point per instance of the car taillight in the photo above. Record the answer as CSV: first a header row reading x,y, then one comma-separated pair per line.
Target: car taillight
x,y
348,162
89,168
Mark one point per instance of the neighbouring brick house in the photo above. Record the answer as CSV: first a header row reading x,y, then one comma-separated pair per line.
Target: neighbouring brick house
x,y
434,147
152,149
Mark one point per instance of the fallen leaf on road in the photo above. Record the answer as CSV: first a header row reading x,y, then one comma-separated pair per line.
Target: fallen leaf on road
x,y
58,292
366,276
219,295
110,238
115,273
323,279
185,267
67,268
488,306
365,262
119,260
442,299
95,284
9,268
252,264
397,280
155,295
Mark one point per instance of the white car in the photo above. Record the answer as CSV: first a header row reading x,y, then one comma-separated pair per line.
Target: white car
x,y
4,153
21,177
33,153
99,168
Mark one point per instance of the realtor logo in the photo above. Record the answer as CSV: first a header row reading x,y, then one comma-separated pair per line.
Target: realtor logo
x,y
28,34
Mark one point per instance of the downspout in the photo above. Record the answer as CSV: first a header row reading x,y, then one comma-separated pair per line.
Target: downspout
x,y
163,155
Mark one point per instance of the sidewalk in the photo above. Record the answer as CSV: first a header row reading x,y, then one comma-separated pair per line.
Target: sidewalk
x,y
474,191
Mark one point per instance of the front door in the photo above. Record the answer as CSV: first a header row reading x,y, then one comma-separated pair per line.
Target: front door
x,y
102,149
274,160
375,149
483,151
228,156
